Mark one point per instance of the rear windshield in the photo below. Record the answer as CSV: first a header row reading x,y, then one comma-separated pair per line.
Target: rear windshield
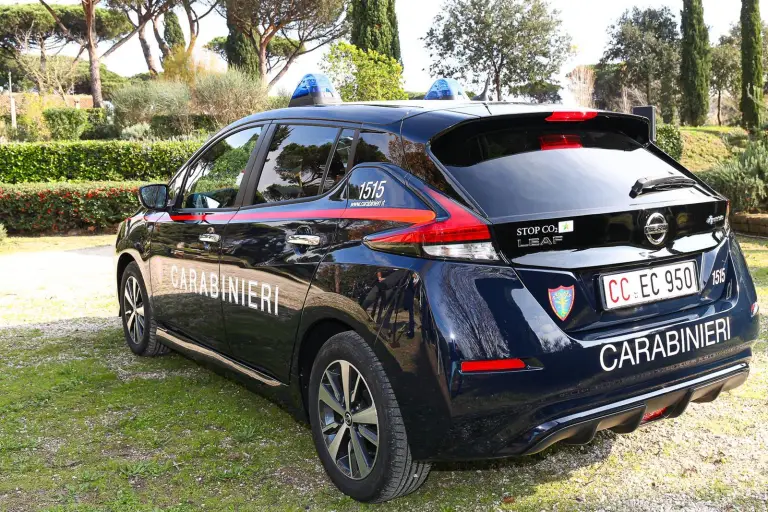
x,y
549,168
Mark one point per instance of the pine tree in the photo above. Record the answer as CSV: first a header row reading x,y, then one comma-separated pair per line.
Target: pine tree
x,y
695,64
172,33
241,53
374,26
751,64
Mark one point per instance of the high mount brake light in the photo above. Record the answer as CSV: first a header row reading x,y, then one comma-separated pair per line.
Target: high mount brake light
x,y
572,116
558,141
492,365
460,235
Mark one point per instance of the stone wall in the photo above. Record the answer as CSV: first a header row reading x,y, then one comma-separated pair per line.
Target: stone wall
x,y
750,223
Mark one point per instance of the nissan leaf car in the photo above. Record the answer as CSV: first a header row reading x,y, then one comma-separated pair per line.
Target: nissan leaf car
x,y
429,281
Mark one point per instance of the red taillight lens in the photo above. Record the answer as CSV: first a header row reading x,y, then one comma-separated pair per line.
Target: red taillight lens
x,y
459,235
568,116
559,141
653,415
754,309
492,365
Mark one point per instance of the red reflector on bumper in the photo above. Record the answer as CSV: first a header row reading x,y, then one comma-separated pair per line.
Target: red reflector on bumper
x,y
492,365
653,415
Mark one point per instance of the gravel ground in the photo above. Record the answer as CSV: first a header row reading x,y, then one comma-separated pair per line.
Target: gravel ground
x,y
52,285
713,458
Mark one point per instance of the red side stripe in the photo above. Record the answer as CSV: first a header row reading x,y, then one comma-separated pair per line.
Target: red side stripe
x,y
411,215
407,215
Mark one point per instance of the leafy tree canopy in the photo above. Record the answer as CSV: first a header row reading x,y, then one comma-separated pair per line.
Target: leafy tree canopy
x,y
648,43
515,43
305,25
363,75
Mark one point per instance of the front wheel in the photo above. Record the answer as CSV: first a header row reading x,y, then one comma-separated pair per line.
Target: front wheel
x,y
138,321
356,423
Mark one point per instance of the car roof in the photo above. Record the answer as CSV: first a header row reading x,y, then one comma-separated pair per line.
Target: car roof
x,y
388,112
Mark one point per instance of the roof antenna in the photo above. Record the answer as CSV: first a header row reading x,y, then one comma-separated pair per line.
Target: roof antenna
x,y
484,95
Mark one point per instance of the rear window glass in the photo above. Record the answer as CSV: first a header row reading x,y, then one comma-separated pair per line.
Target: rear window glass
x,y
522,171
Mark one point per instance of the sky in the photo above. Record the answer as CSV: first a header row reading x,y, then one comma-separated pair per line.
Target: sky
x,y
586,21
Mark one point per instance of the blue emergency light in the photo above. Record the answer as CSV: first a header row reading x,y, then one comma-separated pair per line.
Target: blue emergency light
x,y
446,89
314,89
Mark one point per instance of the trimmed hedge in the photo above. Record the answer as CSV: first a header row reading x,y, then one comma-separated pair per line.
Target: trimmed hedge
x,y
93,160
46,207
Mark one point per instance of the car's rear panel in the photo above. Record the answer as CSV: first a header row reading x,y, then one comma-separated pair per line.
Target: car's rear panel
x,y
557,197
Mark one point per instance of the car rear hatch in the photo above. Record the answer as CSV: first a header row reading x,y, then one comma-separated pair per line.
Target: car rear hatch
x,y
578,203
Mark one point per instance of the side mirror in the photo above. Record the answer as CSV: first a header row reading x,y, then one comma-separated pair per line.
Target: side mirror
x,y
154,197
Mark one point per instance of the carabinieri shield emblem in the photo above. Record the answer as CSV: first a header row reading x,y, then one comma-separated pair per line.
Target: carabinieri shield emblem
x,y
561,300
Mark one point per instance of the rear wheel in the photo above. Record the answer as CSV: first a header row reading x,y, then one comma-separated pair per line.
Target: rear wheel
x,y
138,321
356,423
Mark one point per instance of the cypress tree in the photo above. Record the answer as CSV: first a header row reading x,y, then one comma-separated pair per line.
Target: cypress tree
x,y
374,26
172,33
241,53
695,64
751,64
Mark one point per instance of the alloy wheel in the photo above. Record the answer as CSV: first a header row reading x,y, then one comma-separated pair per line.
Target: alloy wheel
x,y
133,310
348,419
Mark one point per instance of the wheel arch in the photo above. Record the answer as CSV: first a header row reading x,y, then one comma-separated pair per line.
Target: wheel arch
x,y
123,261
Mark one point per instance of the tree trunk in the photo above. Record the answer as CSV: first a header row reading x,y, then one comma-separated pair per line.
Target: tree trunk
x,y
151,64
42,86
497,83
89,8
164,49
262,46
719,96
194,27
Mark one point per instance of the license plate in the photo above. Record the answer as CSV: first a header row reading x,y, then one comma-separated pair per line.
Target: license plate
x,y
649,285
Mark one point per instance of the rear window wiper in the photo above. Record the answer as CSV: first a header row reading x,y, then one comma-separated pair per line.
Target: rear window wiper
x,y
652,184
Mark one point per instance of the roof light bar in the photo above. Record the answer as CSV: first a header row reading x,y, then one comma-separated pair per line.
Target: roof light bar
x,y
314,89
446,89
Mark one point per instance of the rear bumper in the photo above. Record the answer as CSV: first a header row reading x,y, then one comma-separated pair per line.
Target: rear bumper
x,y
627,415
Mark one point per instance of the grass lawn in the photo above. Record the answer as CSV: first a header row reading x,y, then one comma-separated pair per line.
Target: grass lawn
x,y
15,244
706,146
85,425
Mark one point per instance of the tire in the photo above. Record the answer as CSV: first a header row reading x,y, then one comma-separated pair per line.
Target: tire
x,y
388,470
139,324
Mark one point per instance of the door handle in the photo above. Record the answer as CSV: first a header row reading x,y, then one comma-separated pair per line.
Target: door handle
x,y
303,239
211,238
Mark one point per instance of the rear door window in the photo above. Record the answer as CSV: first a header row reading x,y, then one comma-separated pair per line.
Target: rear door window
x,y
512,170
296,162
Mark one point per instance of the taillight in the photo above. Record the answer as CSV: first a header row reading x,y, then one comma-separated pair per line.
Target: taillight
x,y
572,116
492,365
459,235
559,141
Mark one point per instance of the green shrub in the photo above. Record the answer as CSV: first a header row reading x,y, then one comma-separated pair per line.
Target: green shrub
x,y
138,102
100,125
65,123
167,126
93,160
45,207
670,140
3,234
138,131
227,97
742,179
28,129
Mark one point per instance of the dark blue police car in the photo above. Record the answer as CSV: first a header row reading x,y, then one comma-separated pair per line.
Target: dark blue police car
x,y
442,280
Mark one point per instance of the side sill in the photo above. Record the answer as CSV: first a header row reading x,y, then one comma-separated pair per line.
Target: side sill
x,y
219,359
